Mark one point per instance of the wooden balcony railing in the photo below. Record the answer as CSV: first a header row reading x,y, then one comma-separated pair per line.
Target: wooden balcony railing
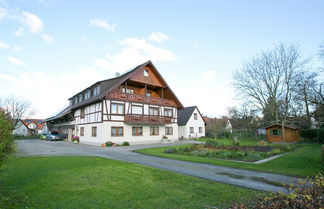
x,y
140,98
146,119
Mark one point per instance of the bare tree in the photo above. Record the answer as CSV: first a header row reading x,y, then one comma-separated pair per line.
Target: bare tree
x,y
17,108
269,80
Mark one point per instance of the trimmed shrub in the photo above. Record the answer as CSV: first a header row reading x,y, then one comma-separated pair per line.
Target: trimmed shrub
x,y
172,150
309,193
211,143
125,143
109,143
6,140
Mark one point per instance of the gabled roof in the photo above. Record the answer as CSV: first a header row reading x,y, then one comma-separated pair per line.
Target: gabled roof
x,y
62,113
278,124
38,122
108,85
185,114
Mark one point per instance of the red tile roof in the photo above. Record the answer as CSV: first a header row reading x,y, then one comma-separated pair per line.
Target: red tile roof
x,y
40,123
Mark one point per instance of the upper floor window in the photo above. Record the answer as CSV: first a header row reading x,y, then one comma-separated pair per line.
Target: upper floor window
x,y
128,91
137,109
154,111
168,112
80,97
195,116
82,114
75,100
146,73
148,94
96,90
117,108
87,94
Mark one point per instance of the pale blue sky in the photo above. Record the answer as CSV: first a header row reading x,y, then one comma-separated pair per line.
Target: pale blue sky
x,y
50,49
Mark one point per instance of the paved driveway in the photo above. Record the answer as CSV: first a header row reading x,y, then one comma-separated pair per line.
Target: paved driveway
x,y
244,178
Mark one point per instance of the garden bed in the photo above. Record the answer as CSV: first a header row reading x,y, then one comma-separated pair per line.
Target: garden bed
x,y
211,149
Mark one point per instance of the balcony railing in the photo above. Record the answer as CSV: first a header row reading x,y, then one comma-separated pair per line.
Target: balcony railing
x,y
147,119
140,98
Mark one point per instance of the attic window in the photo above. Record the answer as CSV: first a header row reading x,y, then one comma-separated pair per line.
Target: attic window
x,y
146,73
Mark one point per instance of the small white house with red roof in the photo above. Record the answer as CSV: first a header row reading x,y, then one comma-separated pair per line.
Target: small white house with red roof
x,y
29,127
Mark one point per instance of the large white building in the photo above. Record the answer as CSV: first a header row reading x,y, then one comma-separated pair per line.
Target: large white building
x,y
191,123
138,107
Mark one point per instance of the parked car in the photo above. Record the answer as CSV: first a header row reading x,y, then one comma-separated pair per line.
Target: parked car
x,y
53,136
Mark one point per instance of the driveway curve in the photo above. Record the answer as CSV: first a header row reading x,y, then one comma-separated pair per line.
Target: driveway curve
x,y
238,177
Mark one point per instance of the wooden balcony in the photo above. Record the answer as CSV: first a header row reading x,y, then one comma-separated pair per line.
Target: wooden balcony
x,y
140,99
147,119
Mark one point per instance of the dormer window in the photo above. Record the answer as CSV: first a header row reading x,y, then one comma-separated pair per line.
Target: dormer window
x,y
146,73
96,90
87,94
80,97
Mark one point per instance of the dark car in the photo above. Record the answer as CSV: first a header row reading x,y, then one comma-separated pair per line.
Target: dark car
x,y
53,136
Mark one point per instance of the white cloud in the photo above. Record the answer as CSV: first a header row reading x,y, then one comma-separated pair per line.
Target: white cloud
x,y
19,32
6,77
3,13
102,24
47,37
59,88
32,22
16,48
16,61
83,38
3,45
208,76
135,52
158,37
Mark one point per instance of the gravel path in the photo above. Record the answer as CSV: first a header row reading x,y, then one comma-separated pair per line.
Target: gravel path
x,y
244,178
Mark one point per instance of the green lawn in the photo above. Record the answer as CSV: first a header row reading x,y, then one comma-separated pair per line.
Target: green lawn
x,y
92,182
305,161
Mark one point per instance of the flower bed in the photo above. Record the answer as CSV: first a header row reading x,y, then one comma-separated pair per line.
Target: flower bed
x,y
241,153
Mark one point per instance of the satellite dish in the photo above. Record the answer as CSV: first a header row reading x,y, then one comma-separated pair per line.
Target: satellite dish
x,y
117,74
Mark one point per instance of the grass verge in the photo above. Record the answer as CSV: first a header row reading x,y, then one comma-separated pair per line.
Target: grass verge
x,y
92,182
305,161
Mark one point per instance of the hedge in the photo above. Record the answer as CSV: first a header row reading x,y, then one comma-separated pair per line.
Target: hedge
x,y
6,140
312,135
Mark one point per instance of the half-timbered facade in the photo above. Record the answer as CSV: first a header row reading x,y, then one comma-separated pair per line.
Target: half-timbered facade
x,y
137,107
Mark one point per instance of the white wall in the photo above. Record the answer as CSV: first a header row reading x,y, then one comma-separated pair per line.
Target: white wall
x,y
184,131
104,133
22,130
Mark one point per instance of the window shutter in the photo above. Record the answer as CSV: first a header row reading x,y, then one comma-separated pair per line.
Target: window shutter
x,y
271,132
279,132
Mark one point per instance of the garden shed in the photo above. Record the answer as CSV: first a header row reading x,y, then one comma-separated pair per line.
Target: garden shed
x,y
274,133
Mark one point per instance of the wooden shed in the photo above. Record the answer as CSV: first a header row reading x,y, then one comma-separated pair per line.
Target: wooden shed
x,y
274,133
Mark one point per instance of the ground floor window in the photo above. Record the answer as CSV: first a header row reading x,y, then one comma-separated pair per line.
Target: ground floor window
x,y
137,131
200,130
168,130
94,131
82,131
191,130
117,131
154,131
275,132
